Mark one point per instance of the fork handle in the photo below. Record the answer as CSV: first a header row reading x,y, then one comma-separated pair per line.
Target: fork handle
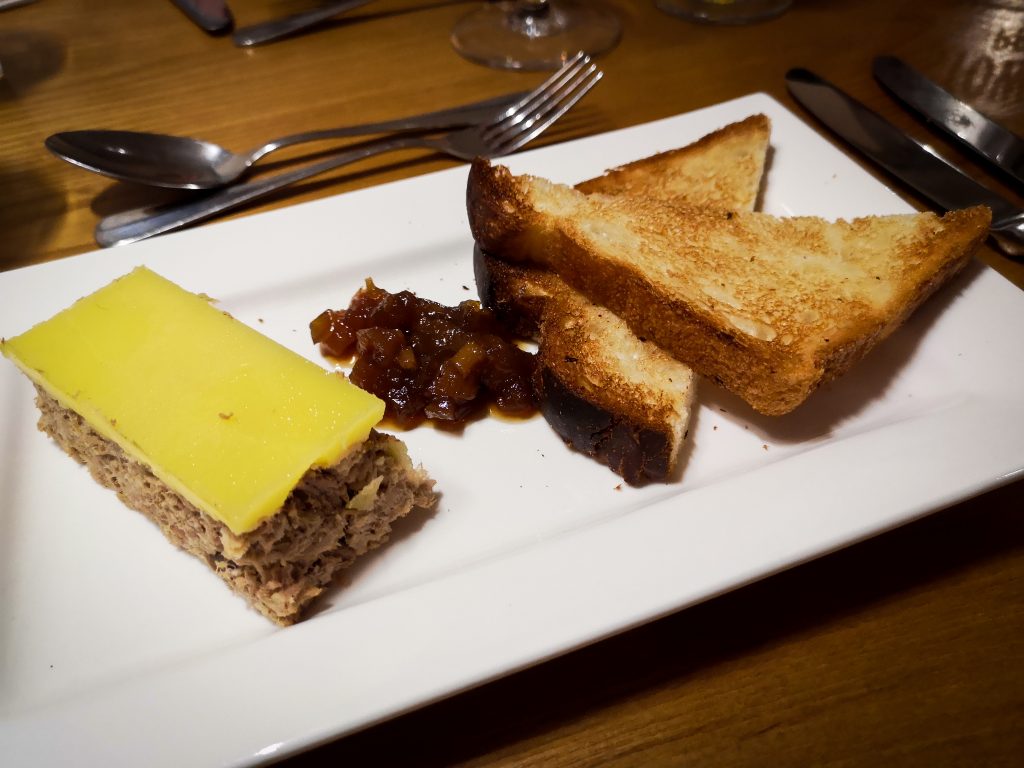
x,y
140,223
445,119
268,31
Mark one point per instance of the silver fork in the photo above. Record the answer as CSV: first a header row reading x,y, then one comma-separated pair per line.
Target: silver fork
x,y
504,133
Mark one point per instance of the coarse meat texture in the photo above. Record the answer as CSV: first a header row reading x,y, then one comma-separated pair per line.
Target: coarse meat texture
x,y
333,516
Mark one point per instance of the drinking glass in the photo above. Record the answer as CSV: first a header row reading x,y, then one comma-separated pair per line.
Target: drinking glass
x,y
534,34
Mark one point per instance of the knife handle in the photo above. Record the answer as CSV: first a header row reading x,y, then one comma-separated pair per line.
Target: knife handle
x,y
211,16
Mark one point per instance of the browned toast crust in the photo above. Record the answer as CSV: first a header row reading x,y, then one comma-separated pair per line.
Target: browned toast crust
x,y
518,294
723,169
610,394
672,271
636,453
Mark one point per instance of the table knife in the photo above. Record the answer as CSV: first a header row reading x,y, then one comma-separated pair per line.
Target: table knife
x,y
998,145
913,163
211,16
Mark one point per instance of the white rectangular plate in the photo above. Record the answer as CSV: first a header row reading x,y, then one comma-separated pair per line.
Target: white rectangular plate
x,y
115,644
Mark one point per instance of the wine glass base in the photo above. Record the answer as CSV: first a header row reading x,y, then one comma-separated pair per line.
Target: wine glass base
x,y
506,36
725,11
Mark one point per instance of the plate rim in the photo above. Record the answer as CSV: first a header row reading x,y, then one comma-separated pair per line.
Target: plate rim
x,y
453,667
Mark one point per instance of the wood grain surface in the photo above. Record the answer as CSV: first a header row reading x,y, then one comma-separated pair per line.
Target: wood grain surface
x,y
905,650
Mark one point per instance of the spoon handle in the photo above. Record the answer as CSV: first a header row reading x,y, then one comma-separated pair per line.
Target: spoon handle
x,y
268,31
141,223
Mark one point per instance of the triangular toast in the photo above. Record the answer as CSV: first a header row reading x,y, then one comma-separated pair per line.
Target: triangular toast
x,y
607,392
770,308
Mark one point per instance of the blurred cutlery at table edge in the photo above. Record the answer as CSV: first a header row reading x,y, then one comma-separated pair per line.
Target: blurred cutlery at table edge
x,y
504,133
275,29
7,4
906,159
211,16
114,153
997,144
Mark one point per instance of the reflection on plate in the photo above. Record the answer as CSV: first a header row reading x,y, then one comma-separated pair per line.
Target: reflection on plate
x,y
119,643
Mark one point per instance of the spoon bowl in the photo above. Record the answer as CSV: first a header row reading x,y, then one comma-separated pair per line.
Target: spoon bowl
x,y
155,159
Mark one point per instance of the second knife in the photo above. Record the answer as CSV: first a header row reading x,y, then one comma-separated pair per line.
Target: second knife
x,y
917,166
1000,146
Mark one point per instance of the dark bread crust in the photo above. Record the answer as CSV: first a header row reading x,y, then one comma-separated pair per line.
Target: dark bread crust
x,y
286,561
526,220
517,295
636,428
638,454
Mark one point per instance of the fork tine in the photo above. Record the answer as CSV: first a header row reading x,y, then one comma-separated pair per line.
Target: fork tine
x,y
511,138
526,117
529,102
542,124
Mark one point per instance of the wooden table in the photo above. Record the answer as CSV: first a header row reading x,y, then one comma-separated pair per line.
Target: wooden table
x,y
908,649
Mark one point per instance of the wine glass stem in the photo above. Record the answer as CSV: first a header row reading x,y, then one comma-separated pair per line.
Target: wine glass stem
x,y
534,18
537,7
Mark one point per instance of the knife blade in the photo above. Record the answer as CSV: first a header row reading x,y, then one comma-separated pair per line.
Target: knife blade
x,y
916,165
998,145
211,16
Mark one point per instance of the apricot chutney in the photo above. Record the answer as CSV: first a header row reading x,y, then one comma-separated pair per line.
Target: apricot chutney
x,y
426,360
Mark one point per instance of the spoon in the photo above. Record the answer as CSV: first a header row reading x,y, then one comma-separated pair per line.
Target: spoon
x,y
178,162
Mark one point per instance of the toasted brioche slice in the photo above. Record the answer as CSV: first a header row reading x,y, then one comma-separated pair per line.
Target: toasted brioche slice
x,y
606,392
723,169
770,308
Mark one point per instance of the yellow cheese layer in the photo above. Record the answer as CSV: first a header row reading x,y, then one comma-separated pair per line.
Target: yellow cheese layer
x,y
223,415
